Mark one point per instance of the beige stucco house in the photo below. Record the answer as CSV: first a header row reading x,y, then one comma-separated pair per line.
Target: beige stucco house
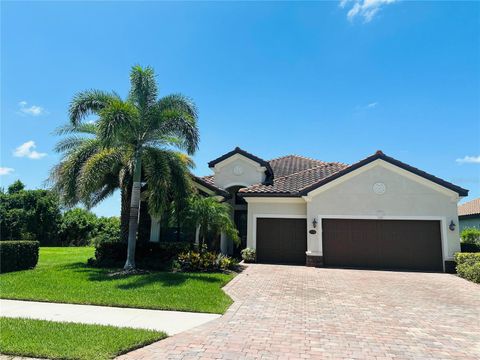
x,y
376,213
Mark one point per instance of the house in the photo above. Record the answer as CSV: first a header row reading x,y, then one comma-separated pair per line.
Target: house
x,y
469,214
376,213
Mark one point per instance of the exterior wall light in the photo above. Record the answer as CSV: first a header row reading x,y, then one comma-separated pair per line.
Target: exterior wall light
x,y
314,223
452,226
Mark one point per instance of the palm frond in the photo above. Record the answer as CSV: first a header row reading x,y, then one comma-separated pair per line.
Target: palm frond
x,y
68,144
118,120
175,116
106,191
89,102
81,128
65,175
143,87
99,169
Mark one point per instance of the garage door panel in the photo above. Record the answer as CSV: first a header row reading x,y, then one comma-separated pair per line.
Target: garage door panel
x,y
386,244
281,240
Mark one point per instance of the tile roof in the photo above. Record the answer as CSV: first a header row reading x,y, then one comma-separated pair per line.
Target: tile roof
x,y
469,208
209,179
295,175
292,184
287,165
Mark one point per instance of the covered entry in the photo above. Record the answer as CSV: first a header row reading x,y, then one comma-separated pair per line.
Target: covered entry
x,y
281,240
382,244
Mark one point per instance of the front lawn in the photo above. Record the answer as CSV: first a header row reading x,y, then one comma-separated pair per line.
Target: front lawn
x,y
56,340
62,275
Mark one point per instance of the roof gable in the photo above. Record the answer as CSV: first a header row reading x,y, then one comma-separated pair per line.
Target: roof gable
x,y
380,155
268,172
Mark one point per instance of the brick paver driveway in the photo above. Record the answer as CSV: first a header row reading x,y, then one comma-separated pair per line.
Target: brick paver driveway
x,y
290,312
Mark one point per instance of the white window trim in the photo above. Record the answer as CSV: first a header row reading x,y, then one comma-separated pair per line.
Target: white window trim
x,y
271,216
442,219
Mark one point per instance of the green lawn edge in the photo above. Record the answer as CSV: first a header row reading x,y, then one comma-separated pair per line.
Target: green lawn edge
x,y
62,276
72,341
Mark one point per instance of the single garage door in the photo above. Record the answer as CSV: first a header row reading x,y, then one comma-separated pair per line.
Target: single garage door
x,y
281,240
382,244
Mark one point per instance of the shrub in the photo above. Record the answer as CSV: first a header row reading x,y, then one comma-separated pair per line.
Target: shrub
x,y
470,236
148,255
77,228
18,255
468,266
107,230
204,261
249,255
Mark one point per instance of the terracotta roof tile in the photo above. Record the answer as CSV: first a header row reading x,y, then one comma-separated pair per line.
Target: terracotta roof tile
x,y
291,164
292,184
469,208
210,179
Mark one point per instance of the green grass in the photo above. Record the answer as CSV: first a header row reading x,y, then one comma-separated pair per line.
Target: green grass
x,y
62,275
56,340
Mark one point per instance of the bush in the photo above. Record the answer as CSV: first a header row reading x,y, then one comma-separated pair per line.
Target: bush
x,y
18,255
249,255
204,261
107,230
148,255
77,228
470,236
468,266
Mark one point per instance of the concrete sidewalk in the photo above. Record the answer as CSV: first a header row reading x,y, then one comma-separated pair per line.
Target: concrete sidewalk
x,y
171,322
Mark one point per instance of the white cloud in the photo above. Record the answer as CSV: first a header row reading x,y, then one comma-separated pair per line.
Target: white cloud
x,y
372,105
6,171
27,150
469,160
367,9
33,110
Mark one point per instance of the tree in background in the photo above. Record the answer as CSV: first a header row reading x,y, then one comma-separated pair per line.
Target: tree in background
x,y
78,227
142,130
29,214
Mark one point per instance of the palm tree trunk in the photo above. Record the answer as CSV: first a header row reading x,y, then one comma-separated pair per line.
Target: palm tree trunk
x,y
134,212
125,194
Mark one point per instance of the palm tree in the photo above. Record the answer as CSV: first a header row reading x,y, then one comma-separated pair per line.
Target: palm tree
x,y
211,217
143,130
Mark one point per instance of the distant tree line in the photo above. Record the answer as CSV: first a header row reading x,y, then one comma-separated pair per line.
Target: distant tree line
x,y
37,215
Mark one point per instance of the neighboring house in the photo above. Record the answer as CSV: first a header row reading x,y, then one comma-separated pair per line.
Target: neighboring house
x,y
469,214
376,213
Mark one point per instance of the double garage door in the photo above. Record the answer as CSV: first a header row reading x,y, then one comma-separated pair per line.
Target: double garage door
x,y
378,244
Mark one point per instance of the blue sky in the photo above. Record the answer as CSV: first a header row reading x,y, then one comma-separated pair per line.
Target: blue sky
x,y
329,80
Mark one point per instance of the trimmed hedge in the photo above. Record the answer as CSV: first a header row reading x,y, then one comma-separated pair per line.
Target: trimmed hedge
x,y
148,255
468,266
18,255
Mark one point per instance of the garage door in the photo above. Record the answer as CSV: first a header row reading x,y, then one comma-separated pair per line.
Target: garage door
x,y
382,244
281,240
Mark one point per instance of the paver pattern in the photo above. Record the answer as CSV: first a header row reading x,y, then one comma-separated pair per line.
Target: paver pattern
x,y
295,312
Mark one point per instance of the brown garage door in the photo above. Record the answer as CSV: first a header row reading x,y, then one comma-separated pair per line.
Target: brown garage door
x,y
281,240
383,244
